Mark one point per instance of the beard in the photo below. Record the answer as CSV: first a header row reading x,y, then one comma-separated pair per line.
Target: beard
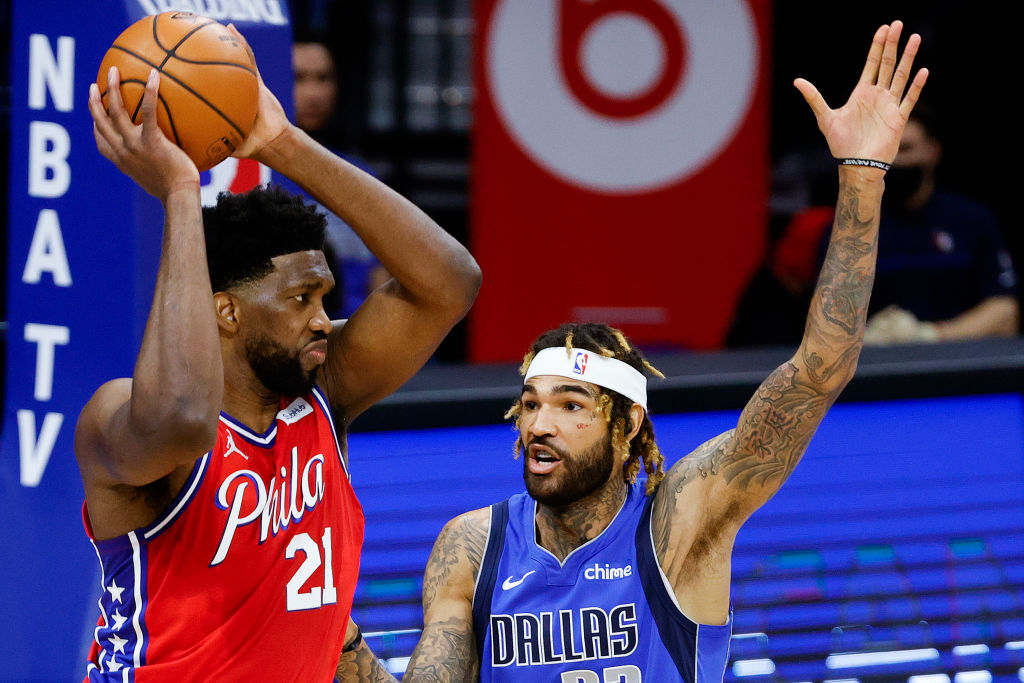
x,y
278,370
579,474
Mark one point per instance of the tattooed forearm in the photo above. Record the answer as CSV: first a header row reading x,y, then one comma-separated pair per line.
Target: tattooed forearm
x,y
835,323
362,666
446,653
782,416
844,286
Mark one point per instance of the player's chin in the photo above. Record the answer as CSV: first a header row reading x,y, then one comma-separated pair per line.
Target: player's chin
x,y
305,383
546,488
311,363
310,367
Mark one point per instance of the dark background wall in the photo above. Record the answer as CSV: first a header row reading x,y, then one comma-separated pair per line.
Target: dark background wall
x,y
407,94
972,52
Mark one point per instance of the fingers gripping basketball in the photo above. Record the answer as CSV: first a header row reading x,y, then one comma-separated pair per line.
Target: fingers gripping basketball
x,y
208,82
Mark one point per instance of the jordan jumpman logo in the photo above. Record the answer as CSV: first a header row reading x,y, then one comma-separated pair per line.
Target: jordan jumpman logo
x,y
232,448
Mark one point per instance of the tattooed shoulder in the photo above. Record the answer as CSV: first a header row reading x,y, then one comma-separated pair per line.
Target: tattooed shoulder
x,y
470,532
702,462
457,553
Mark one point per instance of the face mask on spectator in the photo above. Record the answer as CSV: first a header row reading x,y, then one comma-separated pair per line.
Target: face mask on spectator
x,y
902,183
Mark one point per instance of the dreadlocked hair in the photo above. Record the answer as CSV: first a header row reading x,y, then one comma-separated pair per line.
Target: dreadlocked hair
x,y
613,406
245,231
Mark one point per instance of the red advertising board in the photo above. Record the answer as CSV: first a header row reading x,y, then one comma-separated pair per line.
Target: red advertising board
x,y
620,168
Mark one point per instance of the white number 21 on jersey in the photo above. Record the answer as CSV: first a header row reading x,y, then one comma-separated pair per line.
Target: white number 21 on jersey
x,y
315,597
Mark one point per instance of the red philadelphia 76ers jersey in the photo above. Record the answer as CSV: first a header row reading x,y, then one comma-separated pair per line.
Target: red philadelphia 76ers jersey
x,y
249,574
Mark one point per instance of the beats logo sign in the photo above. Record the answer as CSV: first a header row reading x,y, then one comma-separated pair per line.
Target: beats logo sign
x,y
621,96
610,86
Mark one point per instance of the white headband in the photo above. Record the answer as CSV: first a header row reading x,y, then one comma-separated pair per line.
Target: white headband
x,y
592,367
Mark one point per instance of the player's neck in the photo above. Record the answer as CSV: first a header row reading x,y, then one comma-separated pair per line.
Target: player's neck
x,y
563,529
253,406
246,399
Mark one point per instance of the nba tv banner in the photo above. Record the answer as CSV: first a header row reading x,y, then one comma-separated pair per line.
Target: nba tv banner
x,y
620,167
83,248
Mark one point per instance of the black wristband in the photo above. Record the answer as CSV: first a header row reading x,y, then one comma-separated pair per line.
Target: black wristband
x,y
865,162
356,642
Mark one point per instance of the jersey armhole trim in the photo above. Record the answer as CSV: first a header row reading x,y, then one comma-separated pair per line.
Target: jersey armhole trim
x,y
678,633
181,502
488,574
325,406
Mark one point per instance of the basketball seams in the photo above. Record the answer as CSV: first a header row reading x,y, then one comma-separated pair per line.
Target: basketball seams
x,y
170,119
215,63
180,83
160,99
172,52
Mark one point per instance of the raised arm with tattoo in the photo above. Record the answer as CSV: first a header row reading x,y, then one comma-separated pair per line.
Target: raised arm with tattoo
x,y
568,581
710,493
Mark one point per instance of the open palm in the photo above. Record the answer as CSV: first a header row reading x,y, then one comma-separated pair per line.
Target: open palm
x,y
870,124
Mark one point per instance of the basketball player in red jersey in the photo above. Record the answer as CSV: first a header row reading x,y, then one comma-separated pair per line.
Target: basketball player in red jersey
x,y
216,489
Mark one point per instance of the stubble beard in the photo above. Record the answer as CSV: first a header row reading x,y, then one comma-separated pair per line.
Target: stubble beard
x,y
580,475
278,370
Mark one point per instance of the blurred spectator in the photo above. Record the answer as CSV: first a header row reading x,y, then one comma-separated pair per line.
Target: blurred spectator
x,y
316,96
316,88
944,272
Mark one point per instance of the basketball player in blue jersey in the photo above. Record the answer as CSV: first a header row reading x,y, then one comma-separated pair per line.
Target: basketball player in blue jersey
x,y
593,577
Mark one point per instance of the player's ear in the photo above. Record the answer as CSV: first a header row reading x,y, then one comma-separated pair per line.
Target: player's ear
x,y
228,311
636,418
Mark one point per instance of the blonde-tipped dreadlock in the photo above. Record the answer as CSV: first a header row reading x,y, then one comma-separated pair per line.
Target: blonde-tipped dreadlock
x,y
611,343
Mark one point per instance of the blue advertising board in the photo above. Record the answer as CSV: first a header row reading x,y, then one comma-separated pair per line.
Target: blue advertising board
x,y
83,247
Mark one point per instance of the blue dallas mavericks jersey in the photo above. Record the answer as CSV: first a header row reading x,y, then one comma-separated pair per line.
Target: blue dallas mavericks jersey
x,y
607,615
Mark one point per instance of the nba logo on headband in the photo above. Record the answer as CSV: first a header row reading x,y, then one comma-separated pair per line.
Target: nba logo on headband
x,y
580,365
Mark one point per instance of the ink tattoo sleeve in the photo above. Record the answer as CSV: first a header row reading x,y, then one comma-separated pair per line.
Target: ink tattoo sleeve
x,y
362,666
447,648
753,460
779,420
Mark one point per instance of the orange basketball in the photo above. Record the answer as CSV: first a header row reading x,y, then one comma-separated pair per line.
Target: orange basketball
x,y
208,86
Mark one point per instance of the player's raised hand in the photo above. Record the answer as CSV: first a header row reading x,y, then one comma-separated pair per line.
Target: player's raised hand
x,y
270,121
870,124
142,151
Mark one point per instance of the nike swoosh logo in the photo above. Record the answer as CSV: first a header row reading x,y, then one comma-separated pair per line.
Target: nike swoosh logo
x,y
509,583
